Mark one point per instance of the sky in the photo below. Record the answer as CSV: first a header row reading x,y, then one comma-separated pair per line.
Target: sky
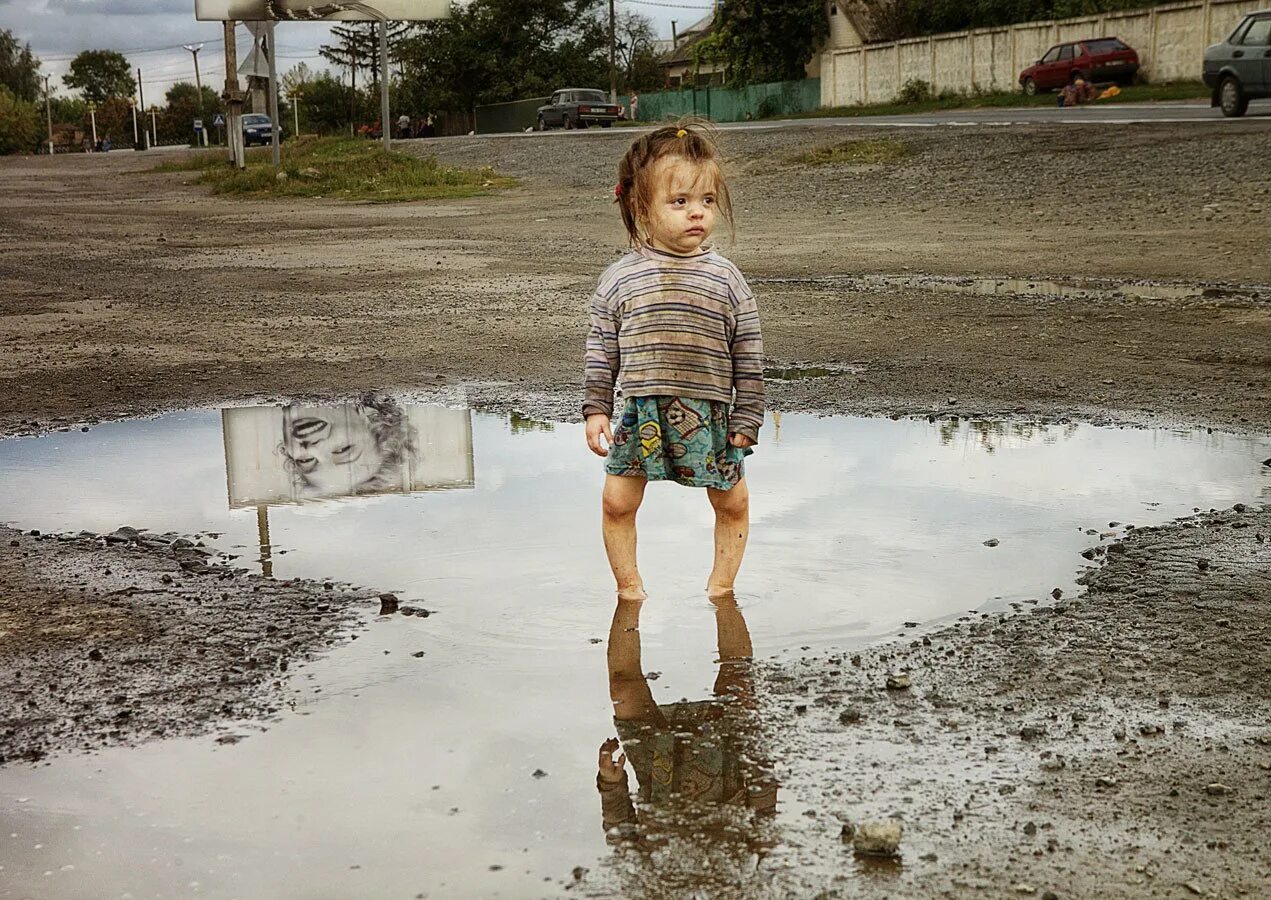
x,y
150,33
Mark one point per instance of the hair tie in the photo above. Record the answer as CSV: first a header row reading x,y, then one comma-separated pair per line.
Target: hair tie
x,y
617,189
681,133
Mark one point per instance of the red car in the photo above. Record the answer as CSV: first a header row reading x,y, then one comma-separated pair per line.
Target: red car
x,y
1095,59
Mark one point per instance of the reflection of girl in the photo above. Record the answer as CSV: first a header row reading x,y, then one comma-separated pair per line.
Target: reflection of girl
x,y
353,448
699,768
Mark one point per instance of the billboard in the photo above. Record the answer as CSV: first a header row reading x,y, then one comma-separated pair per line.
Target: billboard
x,y
303,11
290,454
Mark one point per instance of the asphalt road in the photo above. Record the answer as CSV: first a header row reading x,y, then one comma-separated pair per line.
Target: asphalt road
x,y
1112,114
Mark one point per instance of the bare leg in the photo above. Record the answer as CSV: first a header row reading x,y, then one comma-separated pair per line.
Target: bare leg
x,y
619,504
732,530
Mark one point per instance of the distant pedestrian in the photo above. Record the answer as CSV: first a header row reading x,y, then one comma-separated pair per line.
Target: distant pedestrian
x,y
1076,92
635,106
403,126
675,328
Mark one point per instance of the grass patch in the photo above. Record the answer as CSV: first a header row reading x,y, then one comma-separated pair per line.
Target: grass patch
x,y
342,168
868,152
1142,93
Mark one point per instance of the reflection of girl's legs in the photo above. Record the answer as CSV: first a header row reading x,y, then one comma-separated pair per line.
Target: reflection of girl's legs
x,y
732,529
735,650
619,505
632,698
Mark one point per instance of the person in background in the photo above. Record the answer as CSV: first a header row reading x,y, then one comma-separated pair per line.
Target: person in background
x,y
635,106
1076,92
403,126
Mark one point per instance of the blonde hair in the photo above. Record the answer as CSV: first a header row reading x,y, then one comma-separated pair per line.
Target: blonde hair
x,y
692,140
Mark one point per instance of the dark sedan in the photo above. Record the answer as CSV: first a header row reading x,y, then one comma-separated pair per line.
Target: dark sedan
x,y
578,108
1239,69
257,129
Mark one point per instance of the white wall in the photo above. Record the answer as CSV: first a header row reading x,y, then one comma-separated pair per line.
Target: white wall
x,y
1170,40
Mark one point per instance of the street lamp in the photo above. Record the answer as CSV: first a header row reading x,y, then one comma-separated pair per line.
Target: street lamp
x,y
92,115
198,84
154,127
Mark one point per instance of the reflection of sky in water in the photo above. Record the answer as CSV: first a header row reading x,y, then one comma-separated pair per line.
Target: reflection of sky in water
x,y
859,525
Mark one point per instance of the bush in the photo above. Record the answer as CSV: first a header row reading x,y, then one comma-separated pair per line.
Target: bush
x,y
19,124
915,90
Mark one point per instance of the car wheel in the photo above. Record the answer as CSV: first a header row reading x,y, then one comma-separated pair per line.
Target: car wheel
x,y
542,126
1030,87
1232,98
567,122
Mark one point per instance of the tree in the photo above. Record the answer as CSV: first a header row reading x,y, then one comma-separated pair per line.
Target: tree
x,y
767,40
19,123
324,105
637,60
900,19
19,69
176,120
99,74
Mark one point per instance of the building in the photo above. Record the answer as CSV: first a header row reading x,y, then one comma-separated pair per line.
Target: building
x,y
852,24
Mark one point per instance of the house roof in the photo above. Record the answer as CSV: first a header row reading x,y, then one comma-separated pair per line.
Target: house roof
x,y
689,38
863,14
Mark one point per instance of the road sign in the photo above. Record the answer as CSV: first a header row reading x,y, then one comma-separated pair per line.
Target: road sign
x,y
198,124
311,10
256,64
218,120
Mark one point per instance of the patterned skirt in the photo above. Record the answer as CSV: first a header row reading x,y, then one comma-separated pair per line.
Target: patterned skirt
x,y
680,439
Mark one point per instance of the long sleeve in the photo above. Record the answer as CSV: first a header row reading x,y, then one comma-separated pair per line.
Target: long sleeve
x,y
747,351
601,360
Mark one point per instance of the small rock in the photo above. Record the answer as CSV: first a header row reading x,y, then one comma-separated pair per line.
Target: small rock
x,y
95,655
847,833
388,604
1032,732
1105,781
1218,789
539,773
851,716
898,681
418,654
1023,887
992,542
1030,828
878,838
1202,564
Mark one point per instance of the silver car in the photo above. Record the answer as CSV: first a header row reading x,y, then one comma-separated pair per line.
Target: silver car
x,y
1239,69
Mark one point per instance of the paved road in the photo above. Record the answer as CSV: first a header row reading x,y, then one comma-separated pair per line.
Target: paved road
x,y
1112,114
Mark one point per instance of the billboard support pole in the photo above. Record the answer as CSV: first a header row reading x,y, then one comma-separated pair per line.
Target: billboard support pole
x,y
233,98
275,126
384,123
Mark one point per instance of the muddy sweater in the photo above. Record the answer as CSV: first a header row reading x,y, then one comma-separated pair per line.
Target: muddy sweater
x,y
684,326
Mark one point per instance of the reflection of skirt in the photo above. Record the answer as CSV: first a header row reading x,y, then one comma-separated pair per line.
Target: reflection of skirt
x,y
679,439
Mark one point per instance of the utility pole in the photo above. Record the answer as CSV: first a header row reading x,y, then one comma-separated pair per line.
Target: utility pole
x,y
385,125
136,135
275,127
233,100
141,93
613,70
92,115
48,112
198,83
154,125
295,94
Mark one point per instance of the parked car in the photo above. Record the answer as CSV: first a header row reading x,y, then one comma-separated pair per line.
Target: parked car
x,y
257,129
1094,59
578,108
1239,69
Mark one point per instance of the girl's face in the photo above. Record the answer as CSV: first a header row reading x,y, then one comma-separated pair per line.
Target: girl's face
x,y
682,215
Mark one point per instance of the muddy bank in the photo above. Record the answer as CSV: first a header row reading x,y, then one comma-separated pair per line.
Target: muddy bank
x,y
114,639
1111,745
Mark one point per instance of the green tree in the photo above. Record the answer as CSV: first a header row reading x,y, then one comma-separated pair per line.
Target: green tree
x,y
19,69
899,19
324,105
99,74
767,40
181,108
19,123
637,60
492,51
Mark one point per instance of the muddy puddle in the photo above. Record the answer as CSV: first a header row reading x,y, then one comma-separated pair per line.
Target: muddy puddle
x,y
457,755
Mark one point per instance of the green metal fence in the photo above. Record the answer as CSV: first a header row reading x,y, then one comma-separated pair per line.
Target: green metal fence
x,y
725,104
496,118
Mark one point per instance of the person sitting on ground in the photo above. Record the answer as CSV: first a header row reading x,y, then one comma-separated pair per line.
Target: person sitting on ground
x,y
1077,91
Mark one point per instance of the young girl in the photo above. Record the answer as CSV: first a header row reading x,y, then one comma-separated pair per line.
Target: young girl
x,y
675,329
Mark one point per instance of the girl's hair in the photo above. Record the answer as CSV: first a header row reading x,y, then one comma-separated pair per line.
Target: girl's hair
x,y
692,140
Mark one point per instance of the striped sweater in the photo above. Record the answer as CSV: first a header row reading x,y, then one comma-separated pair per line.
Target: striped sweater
x,y
686,326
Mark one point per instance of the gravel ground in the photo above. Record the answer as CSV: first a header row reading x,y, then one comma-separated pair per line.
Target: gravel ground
x,y
124,292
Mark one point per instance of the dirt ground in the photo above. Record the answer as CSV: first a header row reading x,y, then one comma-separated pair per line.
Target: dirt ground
x,y
125,292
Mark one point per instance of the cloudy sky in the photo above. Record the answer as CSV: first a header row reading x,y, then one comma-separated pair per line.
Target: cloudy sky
x,y
150,33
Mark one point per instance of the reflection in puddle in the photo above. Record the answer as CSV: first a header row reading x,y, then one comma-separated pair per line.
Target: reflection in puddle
x,y
399,774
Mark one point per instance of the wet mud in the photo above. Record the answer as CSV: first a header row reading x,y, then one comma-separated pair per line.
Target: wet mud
x,y
1110,745
128,636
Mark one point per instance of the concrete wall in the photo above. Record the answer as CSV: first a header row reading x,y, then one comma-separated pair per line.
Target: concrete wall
x,y
1170,41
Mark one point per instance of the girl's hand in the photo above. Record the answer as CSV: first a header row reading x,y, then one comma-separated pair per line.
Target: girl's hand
x,y
598,426
740,440
611,770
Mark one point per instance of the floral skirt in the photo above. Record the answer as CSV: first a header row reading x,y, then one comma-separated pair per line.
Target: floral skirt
x,y
680,439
